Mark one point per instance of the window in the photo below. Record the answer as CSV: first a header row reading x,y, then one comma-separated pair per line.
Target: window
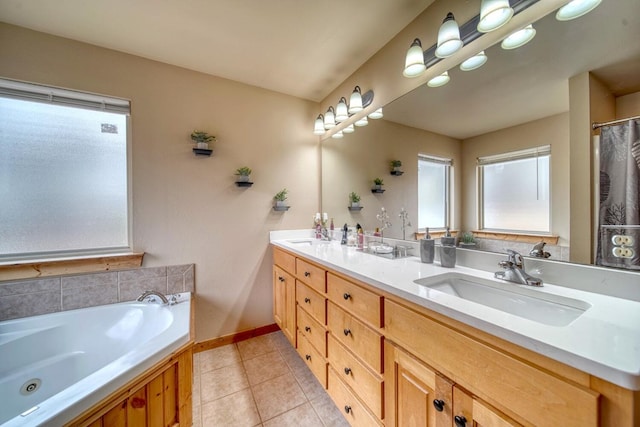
x,y
63,172
514,191
434,183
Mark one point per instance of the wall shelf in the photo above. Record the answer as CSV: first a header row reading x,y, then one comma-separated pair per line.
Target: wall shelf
x,y
244,183
281,208
397,173
202,152
355,208
377,191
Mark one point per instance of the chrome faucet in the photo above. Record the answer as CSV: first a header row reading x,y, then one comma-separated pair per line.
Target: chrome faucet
x,y
539,252
514,271
146,294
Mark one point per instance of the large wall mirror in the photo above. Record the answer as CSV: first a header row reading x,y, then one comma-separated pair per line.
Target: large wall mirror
x,y
520,99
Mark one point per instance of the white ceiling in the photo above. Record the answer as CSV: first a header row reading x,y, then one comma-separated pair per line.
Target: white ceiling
x,y
298,47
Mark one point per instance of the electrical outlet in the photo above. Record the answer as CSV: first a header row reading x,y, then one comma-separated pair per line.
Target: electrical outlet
x,y
622,240
623,252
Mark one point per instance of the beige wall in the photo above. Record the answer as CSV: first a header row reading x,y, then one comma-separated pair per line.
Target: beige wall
x,y
351,164
554,131
628,105
186,209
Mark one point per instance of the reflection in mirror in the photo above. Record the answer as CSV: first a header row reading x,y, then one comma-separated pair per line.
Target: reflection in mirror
x,y
519,99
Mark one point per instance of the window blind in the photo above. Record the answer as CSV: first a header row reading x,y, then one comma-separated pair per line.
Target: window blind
x,y
528,153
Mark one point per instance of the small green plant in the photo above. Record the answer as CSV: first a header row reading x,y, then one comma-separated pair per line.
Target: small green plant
x,y
353,197
396,163
281,196
243,171
467,237
378,181
199,136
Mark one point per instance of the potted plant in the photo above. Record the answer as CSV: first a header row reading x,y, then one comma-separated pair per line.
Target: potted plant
x,y
280,197
378,183
202,139
396,165
354,199
243,174
467,239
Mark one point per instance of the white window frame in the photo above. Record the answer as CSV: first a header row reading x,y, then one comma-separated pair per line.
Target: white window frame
x,y
448,164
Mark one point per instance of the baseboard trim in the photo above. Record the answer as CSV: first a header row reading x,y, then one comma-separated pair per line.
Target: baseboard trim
x,y
233,338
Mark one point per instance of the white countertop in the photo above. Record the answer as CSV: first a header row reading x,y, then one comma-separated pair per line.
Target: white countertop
x,y
604,341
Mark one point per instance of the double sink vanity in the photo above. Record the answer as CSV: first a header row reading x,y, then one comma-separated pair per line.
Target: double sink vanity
x,y
397,342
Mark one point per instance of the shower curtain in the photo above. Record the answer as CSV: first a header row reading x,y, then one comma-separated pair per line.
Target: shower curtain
x,y
619,213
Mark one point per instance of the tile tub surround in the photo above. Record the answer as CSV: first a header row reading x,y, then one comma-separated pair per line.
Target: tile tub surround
x,y
23,298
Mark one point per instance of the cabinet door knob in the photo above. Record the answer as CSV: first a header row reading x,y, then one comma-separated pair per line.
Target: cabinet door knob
x,y
281,278
307,274
460,421
307,300
307,328
308,357
347,409
347,371
347,332
438,404
346,295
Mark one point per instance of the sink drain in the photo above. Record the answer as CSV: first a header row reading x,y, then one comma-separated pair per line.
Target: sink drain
x,y
30,386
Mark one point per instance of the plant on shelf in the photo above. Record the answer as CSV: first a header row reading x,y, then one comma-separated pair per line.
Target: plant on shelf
x,y
378,183
395,165
467,239
354,198
202,139
280,197
243,174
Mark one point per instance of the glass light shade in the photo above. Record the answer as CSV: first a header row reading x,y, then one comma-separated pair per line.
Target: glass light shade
x,y
362,122
337,135
341,110
476,61
355,102
440,80
494,14
414,61
318,128
377,114
519,38
575,9
329,119
448,37
349,129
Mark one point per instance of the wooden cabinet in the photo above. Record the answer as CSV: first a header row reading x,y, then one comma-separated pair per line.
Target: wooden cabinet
x,y
284,303
471,412
353,410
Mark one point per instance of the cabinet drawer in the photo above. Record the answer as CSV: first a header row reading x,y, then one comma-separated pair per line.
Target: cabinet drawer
x,y
363,341
313,331
352,409
313,276
284,260
511,385
312,302
314,360
354,373
358,301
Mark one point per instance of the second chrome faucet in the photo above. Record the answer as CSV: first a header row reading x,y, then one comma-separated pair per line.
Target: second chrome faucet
x,y
513,270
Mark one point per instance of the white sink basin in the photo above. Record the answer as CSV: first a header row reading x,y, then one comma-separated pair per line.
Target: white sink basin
x,y
553,310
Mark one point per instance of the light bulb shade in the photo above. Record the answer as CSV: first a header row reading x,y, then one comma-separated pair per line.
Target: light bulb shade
x,y
329,119
519,38
337,135
575,9
341,110
376,114
476,61
440,80
448,37
494,14
355,102
349,129
414,61
362,122
318,128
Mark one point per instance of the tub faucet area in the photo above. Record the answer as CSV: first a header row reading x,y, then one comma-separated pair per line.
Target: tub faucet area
x,y
514,271
149,293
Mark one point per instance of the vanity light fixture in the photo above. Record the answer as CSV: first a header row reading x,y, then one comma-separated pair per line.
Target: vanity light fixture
x,y
355,102
440,80
337,135
448,37
377,114
475,62
494,14
362,122
318,128
519,38
414,61
329,119
341,110
575,9
349,129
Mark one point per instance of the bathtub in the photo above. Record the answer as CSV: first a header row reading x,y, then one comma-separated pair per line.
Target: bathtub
x,y
54,367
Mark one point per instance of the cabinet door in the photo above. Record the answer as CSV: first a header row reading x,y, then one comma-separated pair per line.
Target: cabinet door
x,y
284,303
471,412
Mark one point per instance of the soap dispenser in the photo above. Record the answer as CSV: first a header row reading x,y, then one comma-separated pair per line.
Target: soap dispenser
x,y
448,250
427,248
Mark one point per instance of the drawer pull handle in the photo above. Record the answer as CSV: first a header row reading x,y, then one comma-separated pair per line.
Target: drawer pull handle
x,y
347,409
307,274
460,421
308,357
281,278
347,332
307,328
347,371
346,295
307,300
438,404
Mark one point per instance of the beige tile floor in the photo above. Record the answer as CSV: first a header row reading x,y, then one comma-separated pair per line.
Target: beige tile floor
x,y
259,382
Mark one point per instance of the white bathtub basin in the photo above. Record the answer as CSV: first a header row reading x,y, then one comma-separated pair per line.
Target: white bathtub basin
x,y
549,309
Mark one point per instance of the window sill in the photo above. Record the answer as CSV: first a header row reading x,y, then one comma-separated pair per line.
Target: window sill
x,y
35,269
517,237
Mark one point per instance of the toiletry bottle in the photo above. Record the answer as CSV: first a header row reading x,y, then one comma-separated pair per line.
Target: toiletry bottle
x,y
448,250
331,226
427,248
345,230
360,236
